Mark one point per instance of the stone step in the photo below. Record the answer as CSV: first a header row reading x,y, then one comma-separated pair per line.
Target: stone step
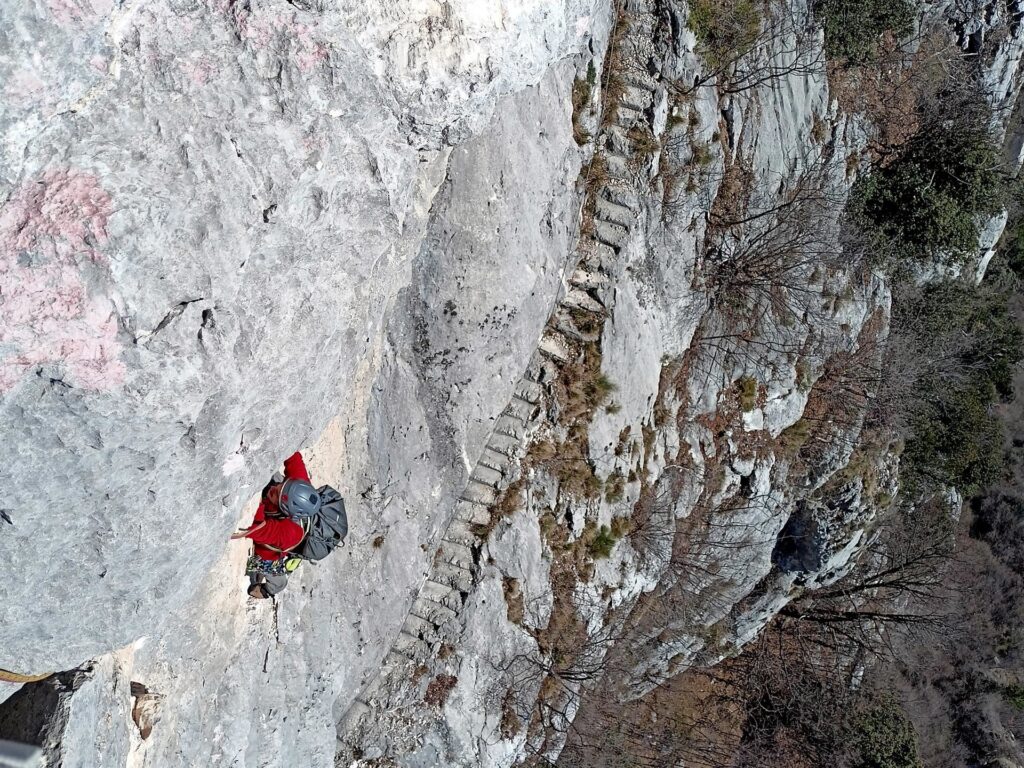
x,y
579,298
549,369
499,459
468,510
452,575
622,194
487,476
616,140
568,324
396,661
626,116
641,80
502,443
636,98
607,210
350,720
534,373
442,594
611,234
530,391
511,427
477,479
438,613
553,345
602,258
618,165
481,499
494,460
588,280
522,410
483,495
461,531
457,554
419,627
412,647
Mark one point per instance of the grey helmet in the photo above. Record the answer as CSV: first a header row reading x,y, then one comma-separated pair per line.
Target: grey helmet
x,y
299,499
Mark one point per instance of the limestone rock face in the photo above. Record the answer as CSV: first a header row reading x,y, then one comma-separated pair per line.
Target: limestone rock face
x,y
231,229
208,209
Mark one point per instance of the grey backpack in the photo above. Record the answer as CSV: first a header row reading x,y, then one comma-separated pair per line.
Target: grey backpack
x,y
326,529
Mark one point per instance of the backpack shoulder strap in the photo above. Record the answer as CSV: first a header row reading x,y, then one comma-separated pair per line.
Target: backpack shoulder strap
x,y
305,532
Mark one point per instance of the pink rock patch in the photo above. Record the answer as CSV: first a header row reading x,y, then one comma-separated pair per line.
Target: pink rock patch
x,y
263,31
71,12
199,69
46,315
24,87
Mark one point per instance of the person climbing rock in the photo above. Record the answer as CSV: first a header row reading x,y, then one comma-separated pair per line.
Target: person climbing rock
x,y
293,522
276,531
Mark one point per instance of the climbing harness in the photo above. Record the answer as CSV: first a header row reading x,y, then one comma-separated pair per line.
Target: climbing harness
x,y
268,567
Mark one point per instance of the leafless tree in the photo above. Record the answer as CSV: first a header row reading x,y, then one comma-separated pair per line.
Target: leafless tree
x,y
749,51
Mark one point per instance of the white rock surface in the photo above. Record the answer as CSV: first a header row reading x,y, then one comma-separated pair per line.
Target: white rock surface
x,y
230,230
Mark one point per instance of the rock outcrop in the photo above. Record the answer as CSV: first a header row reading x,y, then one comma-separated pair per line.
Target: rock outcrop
x,y
208,209
479,261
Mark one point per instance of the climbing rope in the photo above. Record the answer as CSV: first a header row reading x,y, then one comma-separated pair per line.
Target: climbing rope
x,y
14,677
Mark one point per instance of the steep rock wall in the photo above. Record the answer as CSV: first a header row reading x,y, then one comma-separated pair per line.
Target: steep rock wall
x,y
208,208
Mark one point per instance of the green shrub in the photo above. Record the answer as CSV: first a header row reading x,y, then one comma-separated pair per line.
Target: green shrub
x,y
598,390
985,336
971,333
1015,696
726,29
748,392
702,155
928,202
614,487
601,546
582,93
955,441
1011,253
884,738
853,27
794,437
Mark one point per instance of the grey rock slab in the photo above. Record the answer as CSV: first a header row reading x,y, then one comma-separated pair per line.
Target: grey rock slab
x,y
529,391
222,206
636,98
442,595
554,345
274,259
487,475
610,234
452,575
457,553
581,299
436,613
523,410
614,212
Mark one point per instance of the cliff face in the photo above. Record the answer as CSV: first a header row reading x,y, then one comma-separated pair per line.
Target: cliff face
x,y
209,208
470,258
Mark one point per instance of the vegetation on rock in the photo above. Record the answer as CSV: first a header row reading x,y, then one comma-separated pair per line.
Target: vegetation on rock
x,y
853,27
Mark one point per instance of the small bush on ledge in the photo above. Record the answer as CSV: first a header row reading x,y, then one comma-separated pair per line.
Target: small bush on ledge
x,y
853,27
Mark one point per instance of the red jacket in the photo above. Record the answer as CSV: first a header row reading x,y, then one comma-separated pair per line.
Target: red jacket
x,y
280,532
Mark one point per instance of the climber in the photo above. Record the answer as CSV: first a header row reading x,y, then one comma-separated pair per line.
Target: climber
x,y
275,530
